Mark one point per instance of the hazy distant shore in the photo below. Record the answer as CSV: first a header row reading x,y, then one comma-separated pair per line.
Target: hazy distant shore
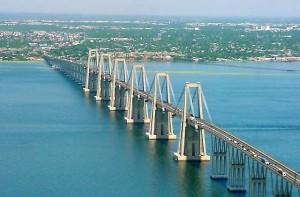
x,y
21,61
256,60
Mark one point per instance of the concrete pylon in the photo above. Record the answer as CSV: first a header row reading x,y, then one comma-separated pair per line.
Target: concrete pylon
x,y
236,179
219,158
93,58
118,94
257,179
161,126
103,81
280,187
137,105
191,144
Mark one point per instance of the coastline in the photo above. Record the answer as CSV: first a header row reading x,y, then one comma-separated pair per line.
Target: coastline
x,y
21,61
196,62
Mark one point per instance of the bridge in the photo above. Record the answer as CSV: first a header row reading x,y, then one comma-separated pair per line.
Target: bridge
x,y
108,76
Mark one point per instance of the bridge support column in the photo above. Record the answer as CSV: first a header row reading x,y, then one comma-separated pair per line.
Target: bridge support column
x,y
219,158
76,73
137,105
191,144
104,93
93,58
82,75
79,70
280,187
93,81
161,126
137,111
76,70
236,179
257,179
118,94
73,72
103,85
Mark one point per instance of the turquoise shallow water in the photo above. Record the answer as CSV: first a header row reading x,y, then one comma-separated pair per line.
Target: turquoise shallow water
x,y
55,140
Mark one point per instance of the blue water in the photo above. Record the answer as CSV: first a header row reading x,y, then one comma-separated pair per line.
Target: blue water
x,y
55,140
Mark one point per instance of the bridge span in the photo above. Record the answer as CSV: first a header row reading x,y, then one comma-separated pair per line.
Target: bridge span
x,y
230,154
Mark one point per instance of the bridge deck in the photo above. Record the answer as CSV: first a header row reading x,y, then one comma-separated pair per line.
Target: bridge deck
x,y
254,153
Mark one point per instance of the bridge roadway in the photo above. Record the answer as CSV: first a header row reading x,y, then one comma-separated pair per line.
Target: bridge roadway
x,y
254,153
291,175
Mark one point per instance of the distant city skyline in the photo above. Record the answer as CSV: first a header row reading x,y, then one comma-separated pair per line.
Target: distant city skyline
x,y
211,8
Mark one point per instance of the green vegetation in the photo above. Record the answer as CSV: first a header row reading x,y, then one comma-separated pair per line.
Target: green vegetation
x,y
164,40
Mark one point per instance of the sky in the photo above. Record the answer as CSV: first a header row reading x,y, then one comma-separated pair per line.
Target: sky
x,y
211,8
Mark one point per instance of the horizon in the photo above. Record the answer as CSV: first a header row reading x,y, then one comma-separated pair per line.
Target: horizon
x,y
76,16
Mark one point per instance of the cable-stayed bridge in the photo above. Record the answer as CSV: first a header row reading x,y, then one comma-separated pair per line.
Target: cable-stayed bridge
x,y
231,157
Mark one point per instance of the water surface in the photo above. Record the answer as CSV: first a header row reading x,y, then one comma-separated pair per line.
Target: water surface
x,y
55,140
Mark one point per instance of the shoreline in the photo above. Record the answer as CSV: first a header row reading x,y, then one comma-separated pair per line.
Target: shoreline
x,y
195,62
21,61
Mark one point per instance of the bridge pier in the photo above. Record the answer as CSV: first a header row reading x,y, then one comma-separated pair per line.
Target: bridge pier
x,y
280,187
69,70
118,94
191,144
236,179
65,68
72,71
137,105
118,100
103,83
219,158
161,126
93,58
82,74
104,93
137,110
75,71
257,179
93,81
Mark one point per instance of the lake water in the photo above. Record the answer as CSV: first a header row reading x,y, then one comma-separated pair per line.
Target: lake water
x,y
55,140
